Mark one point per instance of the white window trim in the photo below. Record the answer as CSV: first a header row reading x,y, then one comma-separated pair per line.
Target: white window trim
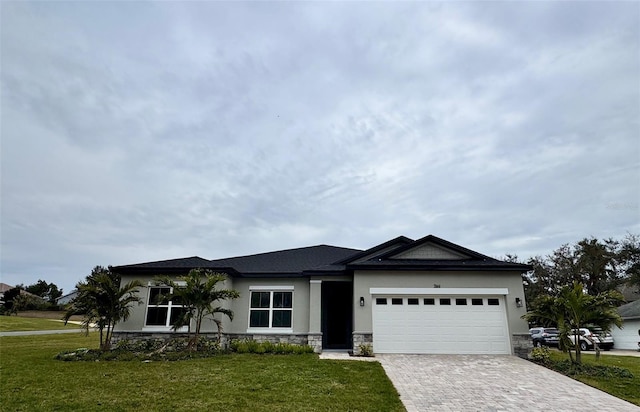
x,y
159,328
151,283
271,289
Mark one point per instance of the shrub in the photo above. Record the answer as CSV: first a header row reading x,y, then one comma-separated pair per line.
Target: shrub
x,y
146,349
252,346
566,367
540,355
302,349
177,349
365,349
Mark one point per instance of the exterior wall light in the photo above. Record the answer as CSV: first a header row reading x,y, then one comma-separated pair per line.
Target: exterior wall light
x,y
361,301
519,302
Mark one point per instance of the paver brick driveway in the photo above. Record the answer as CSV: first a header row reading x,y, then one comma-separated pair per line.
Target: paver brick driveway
x,y
490,383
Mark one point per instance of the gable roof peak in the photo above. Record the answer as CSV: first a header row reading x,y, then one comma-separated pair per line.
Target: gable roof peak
x,y
377,250
451,250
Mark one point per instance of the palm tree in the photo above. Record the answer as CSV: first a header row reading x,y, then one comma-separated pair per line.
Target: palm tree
x,y
103,302
198,294
573,309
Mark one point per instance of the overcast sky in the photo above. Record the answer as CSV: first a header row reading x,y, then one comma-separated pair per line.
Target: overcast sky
x,y
137,131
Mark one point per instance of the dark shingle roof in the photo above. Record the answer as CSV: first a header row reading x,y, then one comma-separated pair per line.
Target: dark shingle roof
x,y
420,264
325,259
630,310
471,259
377,250
286,261
170,265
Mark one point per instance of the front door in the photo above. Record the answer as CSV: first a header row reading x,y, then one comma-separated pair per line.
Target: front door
x,y
337,315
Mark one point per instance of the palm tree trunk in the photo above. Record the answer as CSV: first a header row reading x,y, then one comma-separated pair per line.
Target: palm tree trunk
x,y
101,337
194,343
107,340
219,326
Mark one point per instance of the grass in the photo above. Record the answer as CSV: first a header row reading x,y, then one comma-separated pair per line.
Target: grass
x,y
47,314
32,380
626,389
20,323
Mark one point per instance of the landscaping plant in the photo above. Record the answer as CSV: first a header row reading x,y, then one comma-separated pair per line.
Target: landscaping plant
x,y
199,296
101,301
573,309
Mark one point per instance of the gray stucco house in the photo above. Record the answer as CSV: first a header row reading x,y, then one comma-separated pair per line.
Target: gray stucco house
x,y
402,296
629,336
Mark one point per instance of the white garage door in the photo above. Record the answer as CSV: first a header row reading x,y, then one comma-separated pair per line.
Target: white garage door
x,y
451,324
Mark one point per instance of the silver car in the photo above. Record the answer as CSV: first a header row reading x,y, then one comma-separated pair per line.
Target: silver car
x,y
544,336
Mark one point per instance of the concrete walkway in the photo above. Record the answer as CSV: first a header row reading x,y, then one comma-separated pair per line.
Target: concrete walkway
x,y
490,383
41,332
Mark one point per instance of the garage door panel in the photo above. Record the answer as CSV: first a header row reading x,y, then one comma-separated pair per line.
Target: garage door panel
x,y
437,328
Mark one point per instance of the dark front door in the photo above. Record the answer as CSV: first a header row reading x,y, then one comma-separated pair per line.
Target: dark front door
x,y
337,315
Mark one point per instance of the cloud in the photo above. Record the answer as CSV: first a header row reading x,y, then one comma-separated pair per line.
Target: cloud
x,y
141,131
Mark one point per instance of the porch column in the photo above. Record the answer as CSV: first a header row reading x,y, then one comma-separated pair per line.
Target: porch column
x,y
315,315
315,308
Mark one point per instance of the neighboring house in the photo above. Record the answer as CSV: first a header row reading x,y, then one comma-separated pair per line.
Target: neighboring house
x,y
629,293
629,336
3,288
65,299
402,296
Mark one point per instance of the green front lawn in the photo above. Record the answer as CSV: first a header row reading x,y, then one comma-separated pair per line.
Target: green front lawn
x,y
627,389
19,323
32,380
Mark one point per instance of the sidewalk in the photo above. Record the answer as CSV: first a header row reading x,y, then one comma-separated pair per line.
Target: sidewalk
x,y
40,332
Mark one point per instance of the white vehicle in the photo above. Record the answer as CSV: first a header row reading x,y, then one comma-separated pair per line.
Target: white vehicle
x,y
587,339
606,340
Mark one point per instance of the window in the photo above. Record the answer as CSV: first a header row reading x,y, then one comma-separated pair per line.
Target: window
x,y
271,309
445,301
381,301
412,301
461,301
429,301
396,301
476,301
162,312
493,302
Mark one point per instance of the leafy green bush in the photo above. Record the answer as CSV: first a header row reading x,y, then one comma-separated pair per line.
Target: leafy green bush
x,y
365,349
566,367
145,350
177,349
540,355
252,346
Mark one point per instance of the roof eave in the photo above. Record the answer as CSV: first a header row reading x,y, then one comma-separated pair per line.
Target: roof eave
x,y
124,270
439,267
259,275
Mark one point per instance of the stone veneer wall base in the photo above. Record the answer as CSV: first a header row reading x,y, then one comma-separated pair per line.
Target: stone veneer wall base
x,y
360,338
313,340
521,344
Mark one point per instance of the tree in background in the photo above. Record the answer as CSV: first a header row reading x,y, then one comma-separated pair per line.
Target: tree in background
x,y
628,260
571,309
103,302
47,291
599,265
9,298
28,301
200,297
